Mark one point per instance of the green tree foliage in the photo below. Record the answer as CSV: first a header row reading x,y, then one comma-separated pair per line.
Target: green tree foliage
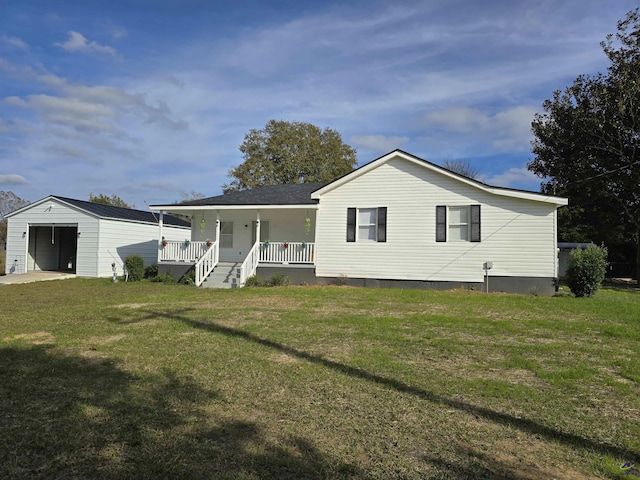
x,y
586,269
587,146
114,200
290,152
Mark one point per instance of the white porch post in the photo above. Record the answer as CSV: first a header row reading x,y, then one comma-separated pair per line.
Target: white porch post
x,y
315,236
160,224
258,227
218,230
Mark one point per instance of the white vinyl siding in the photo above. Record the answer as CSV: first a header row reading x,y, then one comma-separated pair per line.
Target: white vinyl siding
x,y
118,239
517,234
47,214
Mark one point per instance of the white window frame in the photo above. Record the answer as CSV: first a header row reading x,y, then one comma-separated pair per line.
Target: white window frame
x,y
373,225
450,224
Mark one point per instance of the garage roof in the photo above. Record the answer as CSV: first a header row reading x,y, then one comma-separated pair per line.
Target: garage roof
x,y
121,213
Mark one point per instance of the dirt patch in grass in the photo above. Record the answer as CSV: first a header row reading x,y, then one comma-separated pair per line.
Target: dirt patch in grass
x,y
106,340
283,358
37,338
516,376
133,305
93,355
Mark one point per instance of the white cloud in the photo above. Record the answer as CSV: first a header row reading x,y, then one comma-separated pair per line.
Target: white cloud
x,y
515,176
12,179
507,130
78,43
15,42
379,143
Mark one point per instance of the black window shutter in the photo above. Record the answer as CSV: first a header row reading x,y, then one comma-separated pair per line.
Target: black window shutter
x,y
351,224
382,224
475,223
441,223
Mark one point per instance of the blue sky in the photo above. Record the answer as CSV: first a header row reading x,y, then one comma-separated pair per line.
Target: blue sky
x,y
147,99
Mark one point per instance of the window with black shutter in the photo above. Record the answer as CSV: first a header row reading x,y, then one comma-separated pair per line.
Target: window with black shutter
x,y
441,223
367,224
382,224
475,223
458,223
351,224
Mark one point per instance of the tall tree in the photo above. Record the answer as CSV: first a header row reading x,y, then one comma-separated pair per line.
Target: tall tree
x,y
587,145
290,152
189,196
461,167
114,200
9,202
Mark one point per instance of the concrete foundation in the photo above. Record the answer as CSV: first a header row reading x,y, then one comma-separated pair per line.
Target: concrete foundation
x,y
520,285
176,269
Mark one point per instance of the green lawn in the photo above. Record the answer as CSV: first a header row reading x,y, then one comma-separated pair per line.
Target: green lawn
x,y
102,380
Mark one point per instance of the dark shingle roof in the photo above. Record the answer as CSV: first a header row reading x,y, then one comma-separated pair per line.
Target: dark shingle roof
x,y
121,213
291,194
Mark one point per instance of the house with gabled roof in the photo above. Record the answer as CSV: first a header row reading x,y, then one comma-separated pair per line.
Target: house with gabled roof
x,y
398,221
85,238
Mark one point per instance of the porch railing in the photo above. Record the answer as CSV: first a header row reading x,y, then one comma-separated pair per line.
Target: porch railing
x,y
250,264
287,252
182,251
207,263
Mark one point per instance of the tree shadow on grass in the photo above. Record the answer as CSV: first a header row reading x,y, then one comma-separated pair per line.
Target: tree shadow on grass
x,y
65,416
523,424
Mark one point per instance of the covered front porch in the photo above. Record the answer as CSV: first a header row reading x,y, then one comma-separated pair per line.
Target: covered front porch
x,y
244,238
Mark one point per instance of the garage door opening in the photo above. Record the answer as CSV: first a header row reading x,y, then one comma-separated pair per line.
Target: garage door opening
x,y
53,248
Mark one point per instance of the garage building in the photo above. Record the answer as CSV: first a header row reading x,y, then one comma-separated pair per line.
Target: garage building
x,y
85,238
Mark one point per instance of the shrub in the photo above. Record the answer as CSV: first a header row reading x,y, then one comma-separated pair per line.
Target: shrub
x,y
586,270
253,281
279,280
135,266
162,278
188,278
151,271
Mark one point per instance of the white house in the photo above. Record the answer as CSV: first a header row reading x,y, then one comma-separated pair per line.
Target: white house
x,y
397,221
85,238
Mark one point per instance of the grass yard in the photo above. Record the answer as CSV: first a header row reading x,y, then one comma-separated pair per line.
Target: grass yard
x,y
102,380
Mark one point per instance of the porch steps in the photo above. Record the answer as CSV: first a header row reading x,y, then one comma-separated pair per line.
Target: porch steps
x,y
225,275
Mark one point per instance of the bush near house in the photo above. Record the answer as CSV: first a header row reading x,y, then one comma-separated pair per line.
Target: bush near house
x,y
586,270
135,266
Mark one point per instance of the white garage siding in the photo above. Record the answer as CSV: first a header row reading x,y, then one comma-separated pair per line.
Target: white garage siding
x,y
51,213
100,241
517,235
119,239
